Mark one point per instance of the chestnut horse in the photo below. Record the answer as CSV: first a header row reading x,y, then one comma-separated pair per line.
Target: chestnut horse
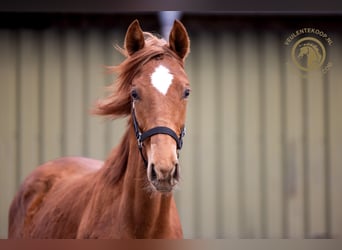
x,y
130,195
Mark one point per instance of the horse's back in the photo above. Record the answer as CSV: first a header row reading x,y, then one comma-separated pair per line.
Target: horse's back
x,y
48,186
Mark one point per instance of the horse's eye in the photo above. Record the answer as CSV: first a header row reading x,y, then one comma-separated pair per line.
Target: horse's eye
x,y
186,93
134,94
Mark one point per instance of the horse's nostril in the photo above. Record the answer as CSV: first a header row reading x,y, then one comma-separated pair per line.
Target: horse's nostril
x,y
153,172
176,172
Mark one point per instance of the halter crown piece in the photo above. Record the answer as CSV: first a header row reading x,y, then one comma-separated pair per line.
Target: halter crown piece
x,y
142,136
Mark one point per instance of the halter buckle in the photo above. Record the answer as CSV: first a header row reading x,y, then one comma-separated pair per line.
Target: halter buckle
x,y
180,139
139,134
183,132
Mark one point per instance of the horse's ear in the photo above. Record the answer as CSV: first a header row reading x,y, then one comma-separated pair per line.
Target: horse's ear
x,y
134,39
179,40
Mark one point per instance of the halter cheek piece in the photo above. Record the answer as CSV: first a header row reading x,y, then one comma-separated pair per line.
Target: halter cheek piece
x,y
142,136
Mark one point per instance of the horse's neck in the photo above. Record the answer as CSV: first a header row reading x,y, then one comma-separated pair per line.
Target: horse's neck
x,y
135,206
147,211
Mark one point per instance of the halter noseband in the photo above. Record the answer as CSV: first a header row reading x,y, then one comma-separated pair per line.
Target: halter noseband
x,y
142,136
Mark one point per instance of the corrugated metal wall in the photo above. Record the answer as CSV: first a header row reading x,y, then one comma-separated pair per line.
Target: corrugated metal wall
x,y
262,156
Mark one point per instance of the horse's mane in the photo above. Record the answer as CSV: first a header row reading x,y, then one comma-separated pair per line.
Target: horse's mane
x,y
118,102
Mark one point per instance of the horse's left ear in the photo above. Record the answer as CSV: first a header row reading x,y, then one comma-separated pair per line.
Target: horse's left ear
x,y
179,40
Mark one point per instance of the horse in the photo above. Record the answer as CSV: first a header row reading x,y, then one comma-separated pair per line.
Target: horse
x,y
131,194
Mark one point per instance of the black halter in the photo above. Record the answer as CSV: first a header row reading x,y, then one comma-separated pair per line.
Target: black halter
x,y
142,136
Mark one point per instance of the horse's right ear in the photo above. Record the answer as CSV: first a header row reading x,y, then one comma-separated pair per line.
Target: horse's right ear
x,y
179,40
134,39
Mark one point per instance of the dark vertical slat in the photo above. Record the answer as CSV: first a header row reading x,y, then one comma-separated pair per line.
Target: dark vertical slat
x,y
327,149
316,168
284,135
196,141
29,103
63,91
95,78
208,167
18,111
41,103
293,174
228,101
305,111
262,132
335,137
271,168
8,125
112,57
51,95
218,138
74,94
251,131
85,95
107,57
327,163
116,127
241,145
197,176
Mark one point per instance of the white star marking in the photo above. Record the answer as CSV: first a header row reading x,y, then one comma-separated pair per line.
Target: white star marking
x,y
161,79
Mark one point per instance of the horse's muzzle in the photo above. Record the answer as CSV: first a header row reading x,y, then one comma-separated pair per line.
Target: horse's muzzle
x,y
163,179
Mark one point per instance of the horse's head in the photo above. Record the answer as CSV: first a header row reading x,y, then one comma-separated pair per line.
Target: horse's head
x,y
159,92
